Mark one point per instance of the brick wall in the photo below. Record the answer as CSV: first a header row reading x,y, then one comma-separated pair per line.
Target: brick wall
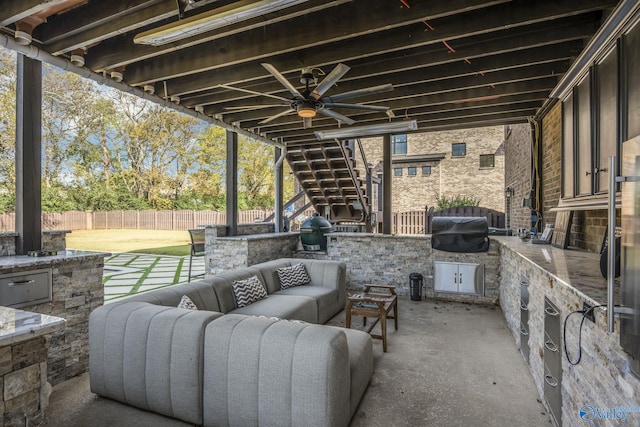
x,y
450,176
517,174
551,162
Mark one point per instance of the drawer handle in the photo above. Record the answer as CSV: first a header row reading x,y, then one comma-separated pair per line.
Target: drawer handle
x,y
21,282
523,331
550,346
550,311
524,283
524,307
550,380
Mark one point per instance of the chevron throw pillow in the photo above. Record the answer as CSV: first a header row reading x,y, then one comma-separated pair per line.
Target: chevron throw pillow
x,y
248,291
295,275
186,302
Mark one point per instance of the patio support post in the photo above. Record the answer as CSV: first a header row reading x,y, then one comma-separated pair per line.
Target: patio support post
x,y
28,155
232,183
387,222
279,182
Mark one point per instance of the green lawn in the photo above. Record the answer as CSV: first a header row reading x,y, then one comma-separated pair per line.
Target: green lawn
x,y
159,242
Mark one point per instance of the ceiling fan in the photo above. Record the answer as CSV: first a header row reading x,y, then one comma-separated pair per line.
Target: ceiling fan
x,y
308,103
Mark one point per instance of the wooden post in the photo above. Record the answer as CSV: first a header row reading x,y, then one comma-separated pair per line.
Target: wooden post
x,y
28,155
232,183
387,220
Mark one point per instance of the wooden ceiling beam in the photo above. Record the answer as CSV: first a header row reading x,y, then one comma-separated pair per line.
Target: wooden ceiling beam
x,y
502,41
15,10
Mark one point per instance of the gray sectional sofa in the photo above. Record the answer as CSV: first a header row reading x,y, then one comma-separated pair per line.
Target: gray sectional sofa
x,y
228,366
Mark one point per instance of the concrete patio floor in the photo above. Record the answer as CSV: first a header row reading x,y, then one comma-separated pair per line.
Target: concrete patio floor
x,y
448,364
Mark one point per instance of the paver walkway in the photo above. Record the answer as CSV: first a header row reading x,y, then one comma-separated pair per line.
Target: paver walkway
x,y
129,273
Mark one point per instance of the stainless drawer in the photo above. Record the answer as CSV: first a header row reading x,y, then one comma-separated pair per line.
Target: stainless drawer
x,y
552,356
553,395
524,341
25,288
552,324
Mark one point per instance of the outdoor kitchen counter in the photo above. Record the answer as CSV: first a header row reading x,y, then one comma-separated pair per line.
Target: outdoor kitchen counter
x,y
579,270
8,263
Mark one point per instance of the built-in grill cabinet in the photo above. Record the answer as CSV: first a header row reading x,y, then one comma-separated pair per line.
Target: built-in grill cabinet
x,y
552,361
458,277
25,288
524,317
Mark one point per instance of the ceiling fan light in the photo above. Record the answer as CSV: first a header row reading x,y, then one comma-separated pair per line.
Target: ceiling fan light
x,y
307,112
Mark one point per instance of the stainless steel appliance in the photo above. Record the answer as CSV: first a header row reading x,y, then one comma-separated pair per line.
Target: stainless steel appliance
x,y
630,256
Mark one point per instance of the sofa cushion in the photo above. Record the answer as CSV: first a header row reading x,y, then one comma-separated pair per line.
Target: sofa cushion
x,y
187,304
284,307
326,299
248,291
296,275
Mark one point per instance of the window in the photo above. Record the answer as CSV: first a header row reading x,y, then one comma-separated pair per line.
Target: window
x,y
398,144
411,170
487,160
397,171
426,170
459,149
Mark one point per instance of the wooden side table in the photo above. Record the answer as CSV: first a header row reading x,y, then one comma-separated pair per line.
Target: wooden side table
x,y
374,304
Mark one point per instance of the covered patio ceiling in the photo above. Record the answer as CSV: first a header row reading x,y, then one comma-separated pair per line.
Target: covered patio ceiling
x,y
452,64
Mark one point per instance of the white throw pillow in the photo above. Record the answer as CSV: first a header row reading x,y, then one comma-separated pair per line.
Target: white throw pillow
x,y
248,291
296,275
186,302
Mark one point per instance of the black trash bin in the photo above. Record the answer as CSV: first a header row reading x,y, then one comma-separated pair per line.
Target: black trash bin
x,y
415,286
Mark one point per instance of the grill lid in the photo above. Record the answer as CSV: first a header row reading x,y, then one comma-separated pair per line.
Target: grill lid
x,y
460,234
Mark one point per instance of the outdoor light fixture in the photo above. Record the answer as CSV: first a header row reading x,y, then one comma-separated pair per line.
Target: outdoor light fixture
x,y
307,111
357,131
211,20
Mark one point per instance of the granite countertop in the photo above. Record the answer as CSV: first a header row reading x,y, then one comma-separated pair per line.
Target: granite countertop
x,y
577,269
18,325
13,261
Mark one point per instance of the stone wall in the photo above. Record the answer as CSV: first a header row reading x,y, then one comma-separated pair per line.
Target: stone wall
x,y
390,259
54,240
602,378
23,382
450,176
229,253
217,263
517,174
77,290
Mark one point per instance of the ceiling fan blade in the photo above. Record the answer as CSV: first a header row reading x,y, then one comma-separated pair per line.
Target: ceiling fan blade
x,y
335,75
339,117
359,92
283,113
357,107
286,83
253,92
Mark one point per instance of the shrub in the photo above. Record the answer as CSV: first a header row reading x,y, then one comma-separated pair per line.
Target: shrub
x,y
445,202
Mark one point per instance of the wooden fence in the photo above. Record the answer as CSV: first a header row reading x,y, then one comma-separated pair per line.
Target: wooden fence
x,y
137,220
412,222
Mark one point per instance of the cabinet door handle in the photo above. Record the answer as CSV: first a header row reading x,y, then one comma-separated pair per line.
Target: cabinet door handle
x,y
455,277
550,380
550,311
460,278
21,282
550,346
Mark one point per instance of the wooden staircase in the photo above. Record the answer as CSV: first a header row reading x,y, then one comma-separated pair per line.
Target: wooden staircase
x,y
326,172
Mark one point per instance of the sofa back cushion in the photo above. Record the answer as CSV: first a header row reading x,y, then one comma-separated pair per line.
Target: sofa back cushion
x,y
200,292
